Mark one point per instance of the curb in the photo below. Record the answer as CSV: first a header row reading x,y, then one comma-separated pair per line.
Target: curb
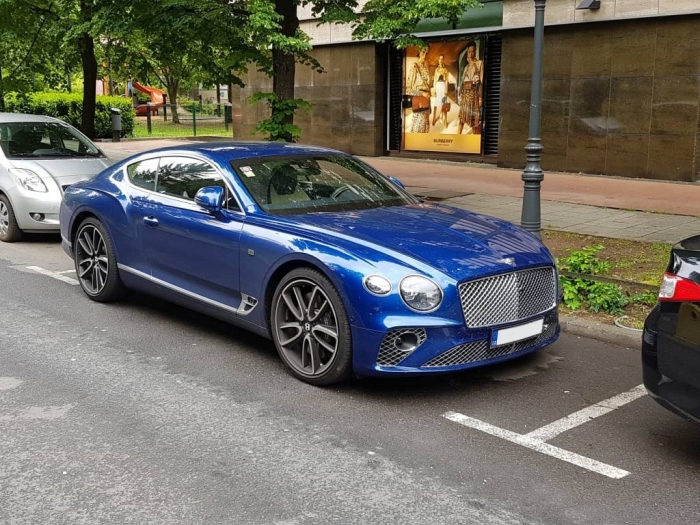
x,y
601,332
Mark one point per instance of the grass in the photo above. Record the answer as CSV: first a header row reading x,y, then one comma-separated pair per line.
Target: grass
x,y
163,128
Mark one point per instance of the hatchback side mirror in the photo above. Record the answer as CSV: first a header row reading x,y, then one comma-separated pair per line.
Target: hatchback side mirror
x,y
210,198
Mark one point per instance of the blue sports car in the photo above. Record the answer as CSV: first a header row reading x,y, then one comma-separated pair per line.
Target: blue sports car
x,y
338,264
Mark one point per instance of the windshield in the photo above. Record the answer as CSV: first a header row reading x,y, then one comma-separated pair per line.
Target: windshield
x,y
44,139
313,183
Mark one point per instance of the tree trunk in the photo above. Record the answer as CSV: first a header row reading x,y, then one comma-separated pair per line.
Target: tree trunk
x,y
172,86
86,46
2,92
284,64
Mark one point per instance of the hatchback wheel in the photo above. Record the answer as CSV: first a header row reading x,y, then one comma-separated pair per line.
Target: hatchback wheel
x,y
95,262
9,231
310,328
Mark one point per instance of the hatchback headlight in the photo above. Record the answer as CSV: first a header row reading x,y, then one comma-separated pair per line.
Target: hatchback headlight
x,y
29,180
420,294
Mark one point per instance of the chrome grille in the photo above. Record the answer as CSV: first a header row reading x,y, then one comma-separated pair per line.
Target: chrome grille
x,y
389,354
508,297
480,350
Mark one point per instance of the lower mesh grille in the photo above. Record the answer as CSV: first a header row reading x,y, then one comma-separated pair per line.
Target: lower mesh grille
x,y
481,350
389,354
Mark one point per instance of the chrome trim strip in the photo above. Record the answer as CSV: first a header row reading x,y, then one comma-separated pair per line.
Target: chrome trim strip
x,y
180,290
248,304
63,239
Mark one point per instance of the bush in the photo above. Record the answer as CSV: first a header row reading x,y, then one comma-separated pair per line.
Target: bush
x,y
69,108
587,293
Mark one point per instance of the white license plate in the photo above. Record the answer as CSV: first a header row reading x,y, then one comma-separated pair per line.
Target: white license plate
x,y
517,333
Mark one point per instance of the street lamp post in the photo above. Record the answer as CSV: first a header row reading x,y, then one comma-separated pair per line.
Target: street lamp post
x,y
533,174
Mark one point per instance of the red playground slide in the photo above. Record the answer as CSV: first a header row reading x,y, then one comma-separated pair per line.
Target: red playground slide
x,y
155,94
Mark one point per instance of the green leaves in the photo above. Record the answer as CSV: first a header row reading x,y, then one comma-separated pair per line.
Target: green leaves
x,y
278,127
592,294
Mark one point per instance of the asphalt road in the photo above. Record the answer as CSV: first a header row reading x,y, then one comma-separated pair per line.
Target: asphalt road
x,y
142,412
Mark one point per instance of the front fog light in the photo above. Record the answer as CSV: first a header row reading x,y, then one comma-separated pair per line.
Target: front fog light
x,y
420,293
37,216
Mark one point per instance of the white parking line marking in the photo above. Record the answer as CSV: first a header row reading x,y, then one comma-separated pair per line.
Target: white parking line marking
x,y
538,446
552,430
55,275
66,271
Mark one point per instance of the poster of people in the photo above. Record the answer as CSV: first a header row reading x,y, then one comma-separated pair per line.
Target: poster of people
x,y
443,96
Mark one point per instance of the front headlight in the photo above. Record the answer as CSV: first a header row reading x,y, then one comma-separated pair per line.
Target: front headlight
x,y
420,293
29,180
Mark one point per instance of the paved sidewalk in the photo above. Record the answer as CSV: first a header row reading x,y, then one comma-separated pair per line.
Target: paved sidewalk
x,y
621,208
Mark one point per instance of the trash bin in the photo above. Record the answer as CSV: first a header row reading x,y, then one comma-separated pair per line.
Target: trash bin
x,y
116,124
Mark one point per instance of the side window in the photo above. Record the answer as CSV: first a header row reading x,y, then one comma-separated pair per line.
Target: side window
x,y
143,174
183,177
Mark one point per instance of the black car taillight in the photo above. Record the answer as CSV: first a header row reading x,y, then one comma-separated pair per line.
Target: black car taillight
x,y
675,288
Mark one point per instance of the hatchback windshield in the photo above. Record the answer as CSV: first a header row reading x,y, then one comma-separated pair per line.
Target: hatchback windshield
x,y
306,184
44,139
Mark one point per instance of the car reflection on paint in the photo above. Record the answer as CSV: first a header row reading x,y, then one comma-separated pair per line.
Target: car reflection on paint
x,y
338,264
671,338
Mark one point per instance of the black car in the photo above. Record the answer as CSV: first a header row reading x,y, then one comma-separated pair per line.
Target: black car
x,y
671,342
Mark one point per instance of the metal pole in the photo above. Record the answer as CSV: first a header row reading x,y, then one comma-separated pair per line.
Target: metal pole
x,y
194,119
533,174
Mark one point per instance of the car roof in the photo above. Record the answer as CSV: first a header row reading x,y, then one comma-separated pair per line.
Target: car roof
x,y
25,117
232,150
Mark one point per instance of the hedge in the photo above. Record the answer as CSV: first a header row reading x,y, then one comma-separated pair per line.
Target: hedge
x,y
69,108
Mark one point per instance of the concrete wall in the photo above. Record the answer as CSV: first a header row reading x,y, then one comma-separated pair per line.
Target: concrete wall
x,y
521,13
620,98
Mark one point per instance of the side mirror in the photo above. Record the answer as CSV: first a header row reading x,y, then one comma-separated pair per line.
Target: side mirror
x,y
396,181
210,198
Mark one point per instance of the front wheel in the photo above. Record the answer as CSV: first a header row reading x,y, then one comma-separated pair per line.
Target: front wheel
x,y
9,231
310,328
95,262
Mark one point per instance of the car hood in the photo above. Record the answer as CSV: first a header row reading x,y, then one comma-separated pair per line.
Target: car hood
x,y
64,170
457,242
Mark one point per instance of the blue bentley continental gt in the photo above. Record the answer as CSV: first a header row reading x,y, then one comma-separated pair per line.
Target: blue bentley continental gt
x,y
338,264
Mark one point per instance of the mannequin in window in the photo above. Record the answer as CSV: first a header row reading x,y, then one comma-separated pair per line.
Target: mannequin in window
x,y
440,85
471,92
419,86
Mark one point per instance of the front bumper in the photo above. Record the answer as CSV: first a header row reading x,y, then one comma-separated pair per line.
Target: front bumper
x,y
441,349
47,205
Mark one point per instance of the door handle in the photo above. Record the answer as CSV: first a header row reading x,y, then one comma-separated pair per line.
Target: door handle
x,y
151,221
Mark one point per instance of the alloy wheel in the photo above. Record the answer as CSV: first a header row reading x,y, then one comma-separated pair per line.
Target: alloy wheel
x,y
306,327
4,219
92,261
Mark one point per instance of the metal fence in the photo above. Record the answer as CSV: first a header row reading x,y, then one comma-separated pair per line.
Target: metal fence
x,y
168,120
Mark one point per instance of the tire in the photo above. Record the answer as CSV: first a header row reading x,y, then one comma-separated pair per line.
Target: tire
x,y
9,231
310,328
95,262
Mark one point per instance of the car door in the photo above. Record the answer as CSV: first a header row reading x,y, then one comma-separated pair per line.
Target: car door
x,y
191,250
133,256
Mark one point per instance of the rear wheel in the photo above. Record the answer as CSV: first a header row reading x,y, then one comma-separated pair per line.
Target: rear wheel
x,y
310,328
95,262
9,231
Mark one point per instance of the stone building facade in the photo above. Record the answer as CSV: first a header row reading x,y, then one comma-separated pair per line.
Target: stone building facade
x,y
621,88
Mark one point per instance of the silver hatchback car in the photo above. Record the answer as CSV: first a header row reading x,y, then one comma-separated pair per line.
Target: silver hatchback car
x,y
39,158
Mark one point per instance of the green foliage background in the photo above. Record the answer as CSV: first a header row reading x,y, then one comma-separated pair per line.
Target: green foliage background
x,y
68,107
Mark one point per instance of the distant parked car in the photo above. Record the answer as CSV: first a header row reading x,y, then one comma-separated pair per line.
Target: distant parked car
x,y
671,338
39,158
338,264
